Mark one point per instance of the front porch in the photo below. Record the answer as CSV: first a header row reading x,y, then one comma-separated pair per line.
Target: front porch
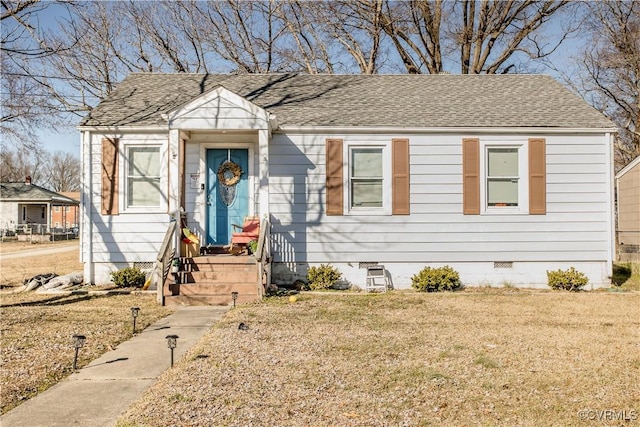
x,y
211,276
211,280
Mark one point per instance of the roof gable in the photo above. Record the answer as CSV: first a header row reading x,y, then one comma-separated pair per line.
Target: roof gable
x,y
218,108
19,191
635,162
322,100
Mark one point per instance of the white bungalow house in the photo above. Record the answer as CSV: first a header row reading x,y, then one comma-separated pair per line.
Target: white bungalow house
x,y
502,177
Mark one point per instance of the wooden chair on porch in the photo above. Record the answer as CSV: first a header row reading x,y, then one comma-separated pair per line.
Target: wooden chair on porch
x,y
250,230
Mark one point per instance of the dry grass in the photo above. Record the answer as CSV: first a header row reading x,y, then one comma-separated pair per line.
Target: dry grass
x,y
14,271
36,329
486,357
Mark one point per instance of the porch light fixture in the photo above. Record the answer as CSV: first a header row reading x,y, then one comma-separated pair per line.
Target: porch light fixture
x,y
78,343
234,297
172,342
135,311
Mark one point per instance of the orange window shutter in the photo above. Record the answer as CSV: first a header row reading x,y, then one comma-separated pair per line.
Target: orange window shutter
x,y
109,176
400,176
335,192
537,176
471,176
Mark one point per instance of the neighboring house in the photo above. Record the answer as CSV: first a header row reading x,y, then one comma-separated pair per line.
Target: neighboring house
x,y
67,217
502,177
628,197
26,204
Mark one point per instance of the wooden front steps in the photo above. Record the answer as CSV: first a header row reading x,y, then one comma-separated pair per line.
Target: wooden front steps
x,y
210,280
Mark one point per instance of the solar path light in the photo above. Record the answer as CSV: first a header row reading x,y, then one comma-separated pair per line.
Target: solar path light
x,y
135,311
78,343
234,297
172,342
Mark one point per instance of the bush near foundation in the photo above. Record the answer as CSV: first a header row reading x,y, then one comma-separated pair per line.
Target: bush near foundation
x,y
436,279
323,277
130,277
568,280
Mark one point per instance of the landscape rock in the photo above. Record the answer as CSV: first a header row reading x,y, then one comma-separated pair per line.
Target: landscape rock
x,y
37,281
63,282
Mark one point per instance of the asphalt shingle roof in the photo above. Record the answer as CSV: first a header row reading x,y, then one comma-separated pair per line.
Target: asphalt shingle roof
x,y
14,191
447,101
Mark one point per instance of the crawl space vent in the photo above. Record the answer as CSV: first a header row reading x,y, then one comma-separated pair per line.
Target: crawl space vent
x,y
503,264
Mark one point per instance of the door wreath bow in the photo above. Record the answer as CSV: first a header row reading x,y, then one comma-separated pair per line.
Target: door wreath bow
x,y
229,173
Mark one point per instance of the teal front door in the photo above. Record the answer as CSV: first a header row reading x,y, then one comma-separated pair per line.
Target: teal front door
x,y
227,192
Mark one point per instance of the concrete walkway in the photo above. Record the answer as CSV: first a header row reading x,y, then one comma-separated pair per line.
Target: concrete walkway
x,y
100,392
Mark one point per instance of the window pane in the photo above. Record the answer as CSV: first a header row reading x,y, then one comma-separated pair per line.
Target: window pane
x,y
502,192
503,162
144,192
144,161
366,193
366,163
143,177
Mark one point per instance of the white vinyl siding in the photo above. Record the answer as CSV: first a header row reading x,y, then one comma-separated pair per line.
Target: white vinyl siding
x,y
135,235
575,228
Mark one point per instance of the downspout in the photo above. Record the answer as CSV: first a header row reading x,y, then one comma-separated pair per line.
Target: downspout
x,y
611,218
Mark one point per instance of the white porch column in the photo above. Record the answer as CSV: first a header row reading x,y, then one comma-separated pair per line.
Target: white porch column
x,y
173,154
263,172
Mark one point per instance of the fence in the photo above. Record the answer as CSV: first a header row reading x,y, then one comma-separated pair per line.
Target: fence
x,y
38,233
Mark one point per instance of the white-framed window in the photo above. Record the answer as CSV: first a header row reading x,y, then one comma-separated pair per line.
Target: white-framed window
x,y
67,208
142,171
57,208
504,177
368,186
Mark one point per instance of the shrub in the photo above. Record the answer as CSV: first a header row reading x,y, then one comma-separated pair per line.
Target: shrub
x,y
436,279
569,280
130,277
323,277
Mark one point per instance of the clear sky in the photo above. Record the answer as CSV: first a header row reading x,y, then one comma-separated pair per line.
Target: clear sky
x,y
67,141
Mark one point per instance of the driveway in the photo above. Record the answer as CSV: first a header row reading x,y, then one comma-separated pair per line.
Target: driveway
x,y
38,251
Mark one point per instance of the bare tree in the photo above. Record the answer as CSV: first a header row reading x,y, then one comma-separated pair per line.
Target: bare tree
x,y
479,37
25,105
15,166
65,172
612,67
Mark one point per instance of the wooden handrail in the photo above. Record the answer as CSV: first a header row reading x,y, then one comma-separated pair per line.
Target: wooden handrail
x,y
164,260
263,253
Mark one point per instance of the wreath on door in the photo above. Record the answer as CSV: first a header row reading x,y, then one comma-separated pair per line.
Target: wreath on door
x,y
229,173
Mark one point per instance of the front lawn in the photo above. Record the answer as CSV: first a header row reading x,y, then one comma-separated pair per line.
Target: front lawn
x,y
36,336
477,357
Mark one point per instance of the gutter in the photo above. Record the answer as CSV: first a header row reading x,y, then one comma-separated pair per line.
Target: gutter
x,y
459,130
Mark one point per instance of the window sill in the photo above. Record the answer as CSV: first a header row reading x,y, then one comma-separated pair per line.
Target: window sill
x,y
368,212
